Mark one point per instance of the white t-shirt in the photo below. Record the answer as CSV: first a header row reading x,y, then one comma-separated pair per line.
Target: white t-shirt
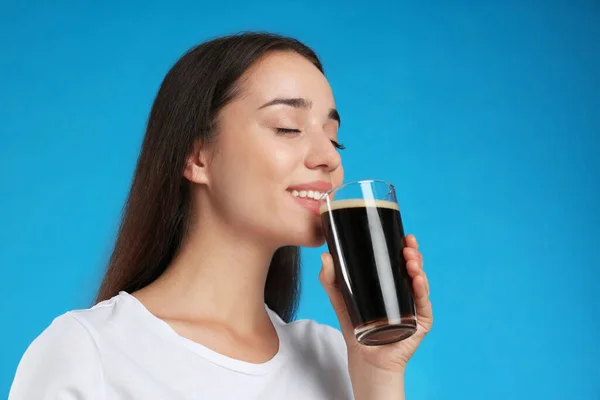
x,y
119,350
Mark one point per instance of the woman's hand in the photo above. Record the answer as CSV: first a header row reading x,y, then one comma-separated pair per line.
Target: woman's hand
x,y
378,371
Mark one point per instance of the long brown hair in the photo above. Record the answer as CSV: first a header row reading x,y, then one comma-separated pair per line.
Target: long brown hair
x,y
156,213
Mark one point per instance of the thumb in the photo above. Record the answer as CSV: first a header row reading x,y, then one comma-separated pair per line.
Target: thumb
x,y
327,278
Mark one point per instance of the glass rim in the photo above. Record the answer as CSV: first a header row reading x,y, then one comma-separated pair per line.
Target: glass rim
x,y
335,189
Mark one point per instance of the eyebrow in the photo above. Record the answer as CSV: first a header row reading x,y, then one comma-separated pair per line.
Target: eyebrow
x,y
301,103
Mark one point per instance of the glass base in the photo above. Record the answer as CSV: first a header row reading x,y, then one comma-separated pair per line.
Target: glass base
x,y
382,332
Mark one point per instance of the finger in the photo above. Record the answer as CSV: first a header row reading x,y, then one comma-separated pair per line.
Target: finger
x,y
414,270
411,253
422,303
327,278
426,283
411,241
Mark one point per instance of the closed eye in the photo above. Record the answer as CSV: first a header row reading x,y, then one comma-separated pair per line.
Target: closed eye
x,y
338,145
284,131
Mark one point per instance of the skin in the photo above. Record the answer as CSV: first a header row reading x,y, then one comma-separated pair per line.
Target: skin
x,y
243,212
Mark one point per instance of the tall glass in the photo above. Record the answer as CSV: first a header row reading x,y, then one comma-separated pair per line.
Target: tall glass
x,y
365,236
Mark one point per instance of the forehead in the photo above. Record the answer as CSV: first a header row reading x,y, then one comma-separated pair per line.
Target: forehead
x,y
288,75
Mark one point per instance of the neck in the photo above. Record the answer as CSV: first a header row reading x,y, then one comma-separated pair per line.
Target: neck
x,y
218,275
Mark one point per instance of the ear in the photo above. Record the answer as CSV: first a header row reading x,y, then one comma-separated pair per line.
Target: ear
x,y
196,164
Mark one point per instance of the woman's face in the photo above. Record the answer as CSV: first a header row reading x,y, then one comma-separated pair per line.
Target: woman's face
x,y
276,147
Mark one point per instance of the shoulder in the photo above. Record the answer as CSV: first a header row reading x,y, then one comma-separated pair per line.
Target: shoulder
x,y
312,337
320,352
63,340
62,360
319,336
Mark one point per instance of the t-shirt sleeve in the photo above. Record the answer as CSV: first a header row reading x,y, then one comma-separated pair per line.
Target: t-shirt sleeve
x,y
338,344
339,358
61,364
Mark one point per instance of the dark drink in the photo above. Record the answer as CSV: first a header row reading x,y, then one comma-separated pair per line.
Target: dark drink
x,y
365,239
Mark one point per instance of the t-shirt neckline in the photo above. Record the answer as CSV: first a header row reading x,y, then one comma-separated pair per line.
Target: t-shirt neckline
x,y
166,331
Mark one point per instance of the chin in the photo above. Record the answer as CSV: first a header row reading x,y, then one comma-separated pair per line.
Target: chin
x,y
315,242
311,237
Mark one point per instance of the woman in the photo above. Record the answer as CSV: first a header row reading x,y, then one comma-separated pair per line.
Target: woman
x,y
203,283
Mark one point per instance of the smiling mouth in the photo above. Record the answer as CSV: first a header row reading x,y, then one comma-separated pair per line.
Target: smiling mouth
x,y
309,199
306,194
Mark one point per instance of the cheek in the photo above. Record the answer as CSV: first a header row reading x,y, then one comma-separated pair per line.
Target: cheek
x,y
337,176
283,160
257,171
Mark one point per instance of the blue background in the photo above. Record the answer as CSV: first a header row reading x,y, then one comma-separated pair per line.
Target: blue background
x,y
486,115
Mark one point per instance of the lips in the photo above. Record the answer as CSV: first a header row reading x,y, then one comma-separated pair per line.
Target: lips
x,y
308,194
318,186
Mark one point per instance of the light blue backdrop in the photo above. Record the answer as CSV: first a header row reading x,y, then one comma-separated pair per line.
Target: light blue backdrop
x,y
485,114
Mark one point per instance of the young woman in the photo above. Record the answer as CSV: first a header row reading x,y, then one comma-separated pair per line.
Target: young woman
x,y
203,283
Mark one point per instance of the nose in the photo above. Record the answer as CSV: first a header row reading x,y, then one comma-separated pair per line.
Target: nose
x,y
322,154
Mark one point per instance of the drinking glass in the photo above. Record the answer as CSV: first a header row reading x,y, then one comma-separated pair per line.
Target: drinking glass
x,y
365,236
